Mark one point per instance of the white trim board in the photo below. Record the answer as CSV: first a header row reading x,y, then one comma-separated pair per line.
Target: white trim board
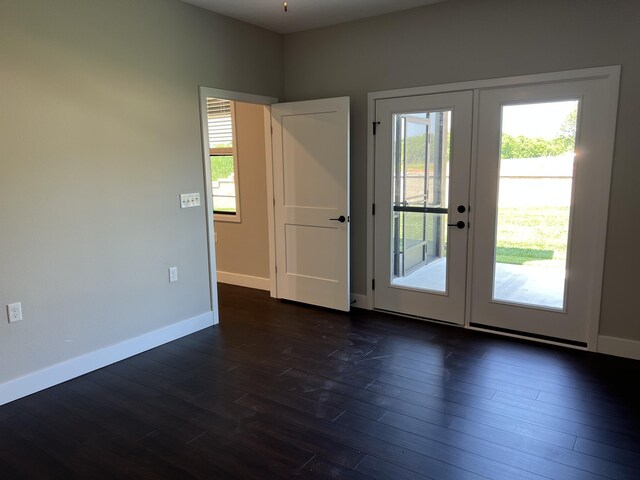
x,y
619,347
271,215
75,367
248,281
359,301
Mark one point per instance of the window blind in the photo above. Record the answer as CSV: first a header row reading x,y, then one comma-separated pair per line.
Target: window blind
x,y
219,122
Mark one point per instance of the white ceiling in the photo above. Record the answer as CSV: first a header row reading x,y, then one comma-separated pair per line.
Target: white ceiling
x,y
305,14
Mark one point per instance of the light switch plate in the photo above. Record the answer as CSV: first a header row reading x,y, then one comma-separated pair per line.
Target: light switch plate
x,y
188,200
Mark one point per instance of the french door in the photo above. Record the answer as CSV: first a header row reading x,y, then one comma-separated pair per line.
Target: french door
x,y
540,218
511,238
422,197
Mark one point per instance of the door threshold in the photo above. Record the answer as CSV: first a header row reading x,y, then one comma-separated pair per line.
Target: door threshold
x,y
530,336
416,317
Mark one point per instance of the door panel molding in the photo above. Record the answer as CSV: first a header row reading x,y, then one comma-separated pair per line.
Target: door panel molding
x,y
310,143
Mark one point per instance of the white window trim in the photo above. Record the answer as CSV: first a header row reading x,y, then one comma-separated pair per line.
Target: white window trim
x,y
236,217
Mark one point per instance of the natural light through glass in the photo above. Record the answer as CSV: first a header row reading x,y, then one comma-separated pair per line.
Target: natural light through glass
x,y
421,146
221,151
534,203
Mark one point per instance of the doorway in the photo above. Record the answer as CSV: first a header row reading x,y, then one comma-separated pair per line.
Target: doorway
x,y
306,151
491,203
230,151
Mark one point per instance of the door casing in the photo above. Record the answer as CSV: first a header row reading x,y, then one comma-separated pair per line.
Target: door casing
x,y
611,74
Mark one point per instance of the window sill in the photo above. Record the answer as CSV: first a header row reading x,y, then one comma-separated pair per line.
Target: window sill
x,y
227,218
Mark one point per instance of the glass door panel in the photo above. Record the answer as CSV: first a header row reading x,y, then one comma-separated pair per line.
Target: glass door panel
x,y
534,203
540,208
421,146
423,154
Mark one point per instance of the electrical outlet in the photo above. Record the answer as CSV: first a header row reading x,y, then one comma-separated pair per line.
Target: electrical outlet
x,y
14,312
173,274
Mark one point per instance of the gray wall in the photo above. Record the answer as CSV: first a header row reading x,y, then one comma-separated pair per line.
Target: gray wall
x,y
100,134
462,40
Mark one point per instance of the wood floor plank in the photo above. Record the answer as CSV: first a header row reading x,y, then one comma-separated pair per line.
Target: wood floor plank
x,y
451,414
601,420
318,469
381,470
618,455
528,446
382,449
283,390
478,455
575,429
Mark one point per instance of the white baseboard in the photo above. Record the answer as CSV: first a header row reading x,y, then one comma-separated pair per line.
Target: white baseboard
x,y
619,346
244,280
75,367
358,301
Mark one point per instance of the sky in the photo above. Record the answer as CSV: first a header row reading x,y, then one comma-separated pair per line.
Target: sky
x,y
536,120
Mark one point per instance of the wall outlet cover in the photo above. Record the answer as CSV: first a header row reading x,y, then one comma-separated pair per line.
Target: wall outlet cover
x,y
14,312
173,274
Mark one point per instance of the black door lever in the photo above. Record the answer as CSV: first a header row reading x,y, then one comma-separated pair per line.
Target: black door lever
x,y
340,219
459,224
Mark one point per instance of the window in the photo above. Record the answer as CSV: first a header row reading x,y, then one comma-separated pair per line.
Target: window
x,y
223,156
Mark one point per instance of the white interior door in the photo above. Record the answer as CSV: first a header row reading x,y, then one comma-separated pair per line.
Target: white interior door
x,y
422,168
311,193
540,219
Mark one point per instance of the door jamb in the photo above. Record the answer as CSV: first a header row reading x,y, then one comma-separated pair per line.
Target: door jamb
x,y
612,73
203,93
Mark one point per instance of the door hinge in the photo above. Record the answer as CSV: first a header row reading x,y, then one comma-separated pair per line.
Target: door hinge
x,y
276,268
373,209
271,129
373,284
274,201
375,127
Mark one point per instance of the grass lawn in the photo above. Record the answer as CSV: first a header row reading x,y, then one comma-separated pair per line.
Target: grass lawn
x,y
221,166
531,235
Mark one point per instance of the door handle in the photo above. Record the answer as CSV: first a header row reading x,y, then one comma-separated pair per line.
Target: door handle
x,y
340,219
459,224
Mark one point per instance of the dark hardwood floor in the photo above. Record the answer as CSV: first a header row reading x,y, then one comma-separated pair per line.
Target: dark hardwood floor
x,y
281,390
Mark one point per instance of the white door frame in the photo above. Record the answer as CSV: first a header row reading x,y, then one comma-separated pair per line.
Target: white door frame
x,y
205,92
609,73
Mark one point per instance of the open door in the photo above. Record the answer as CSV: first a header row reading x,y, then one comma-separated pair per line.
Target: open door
x,y
311,198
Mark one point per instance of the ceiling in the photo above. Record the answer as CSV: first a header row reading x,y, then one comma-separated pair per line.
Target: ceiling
x,y
305,14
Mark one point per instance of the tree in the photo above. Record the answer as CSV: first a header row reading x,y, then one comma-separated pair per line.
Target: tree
x,y
521,146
